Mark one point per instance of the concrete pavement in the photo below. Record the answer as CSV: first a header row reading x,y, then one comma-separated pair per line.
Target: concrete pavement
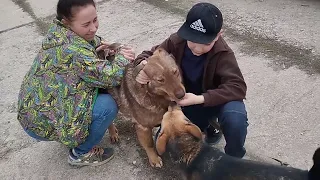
x,y
277,46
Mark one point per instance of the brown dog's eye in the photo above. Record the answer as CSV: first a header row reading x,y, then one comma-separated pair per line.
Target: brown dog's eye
x,y
172,56
160,80
176,72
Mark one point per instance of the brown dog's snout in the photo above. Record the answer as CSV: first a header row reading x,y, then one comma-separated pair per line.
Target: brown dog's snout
x,y
180,93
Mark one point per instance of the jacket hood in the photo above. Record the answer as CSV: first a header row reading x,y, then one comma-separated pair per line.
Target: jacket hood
x,y
59,35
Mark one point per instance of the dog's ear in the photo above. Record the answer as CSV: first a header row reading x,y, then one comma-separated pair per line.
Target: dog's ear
x,y
161,143
140,74
160,51
194,130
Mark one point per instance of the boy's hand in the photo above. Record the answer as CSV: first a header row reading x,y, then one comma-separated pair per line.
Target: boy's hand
x,y
191,99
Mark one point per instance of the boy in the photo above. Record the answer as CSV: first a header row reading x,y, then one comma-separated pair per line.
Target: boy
x,y
214,83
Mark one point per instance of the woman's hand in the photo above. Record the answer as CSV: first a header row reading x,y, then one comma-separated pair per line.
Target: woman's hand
x,y
103,46
128,53
191,99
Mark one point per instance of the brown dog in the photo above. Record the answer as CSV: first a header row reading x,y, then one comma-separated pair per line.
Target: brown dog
x,y
147,103
200,161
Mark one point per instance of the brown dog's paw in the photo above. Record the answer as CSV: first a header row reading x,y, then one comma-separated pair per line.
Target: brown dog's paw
x,y
114,138
156,161
113,133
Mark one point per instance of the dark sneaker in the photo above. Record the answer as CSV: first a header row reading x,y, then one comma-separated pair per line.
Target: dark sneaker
x,y
156,132
213,135
97,156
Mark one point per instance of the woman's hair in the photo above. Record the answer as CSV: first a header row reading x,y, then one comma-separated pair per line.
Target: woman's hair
x,y
64,7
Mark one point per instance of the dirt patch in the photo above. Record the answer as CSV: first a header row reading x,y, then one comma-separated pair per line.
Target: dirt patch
x,y
129,138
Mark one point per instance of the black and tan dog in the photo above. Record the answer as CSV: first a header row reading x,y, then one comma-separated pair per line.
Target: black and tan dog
x,y
200,161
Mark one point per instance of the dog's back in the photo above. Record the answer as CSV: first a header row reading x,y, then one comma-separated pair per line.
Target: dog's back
x,y
210,163
200,161
213,164
314,172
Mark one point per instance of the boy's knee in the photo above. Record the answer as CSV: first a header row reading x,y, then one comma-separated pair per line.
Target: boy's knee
x,y
234,116
234,107
234,125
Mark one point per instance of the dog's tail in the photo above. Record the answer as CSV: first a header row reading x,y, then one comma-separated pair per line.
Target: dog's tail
x,y
314,172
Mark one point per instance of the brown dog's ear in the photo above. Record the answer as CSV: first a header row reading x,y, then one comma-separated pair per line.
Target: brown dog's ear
x,y
140,75
161,143
160,51
194,130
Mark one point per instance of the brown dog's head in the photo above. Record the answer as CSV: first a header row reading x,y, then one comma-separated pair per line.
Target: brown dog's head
x,y
174,124
164,76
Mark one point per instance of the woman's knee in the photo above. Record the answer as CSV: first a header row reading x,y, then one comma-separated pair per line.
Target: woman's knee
x,y
105,107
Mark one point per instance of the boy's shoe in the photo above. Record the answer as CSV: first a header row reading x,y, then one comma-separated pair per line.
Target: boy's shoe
x,y
97,156
155,133
213,135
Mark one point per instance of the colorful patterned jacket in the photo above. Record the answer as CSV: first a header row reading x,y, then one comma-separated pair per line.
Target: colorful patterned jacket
x,y
58,92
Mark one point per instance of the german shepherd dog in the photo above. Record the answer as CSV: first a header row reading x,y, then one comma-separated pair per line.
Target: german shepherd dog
x,y
199,161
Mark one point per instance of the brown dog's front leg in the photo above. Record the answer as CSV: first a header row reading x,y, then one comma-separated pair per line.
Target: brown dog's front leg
x,y
113,132
145,138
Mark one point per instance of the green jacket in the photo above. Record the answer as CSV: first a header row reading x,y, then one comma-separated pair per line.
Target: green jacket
x,y
58,92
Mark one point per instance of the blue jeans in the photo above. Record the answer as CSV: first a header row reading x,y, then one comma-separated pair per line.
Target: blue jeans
x,y
232,118
104,112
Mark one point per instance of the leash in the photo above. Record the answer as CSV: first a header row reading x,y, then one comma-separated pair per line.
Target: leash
x,y
281,162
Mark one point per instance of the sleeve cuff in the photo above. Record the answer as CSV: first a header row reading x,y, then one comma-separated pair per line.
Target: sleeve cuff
x,y
206,99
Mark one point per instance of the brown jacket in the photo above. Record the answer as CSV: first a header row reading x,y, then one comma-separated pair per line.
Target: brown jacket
x,y
222,78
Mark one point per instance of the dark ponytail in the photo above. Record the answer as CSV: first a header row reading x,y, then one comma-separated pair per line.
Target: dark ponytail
x,y
64,7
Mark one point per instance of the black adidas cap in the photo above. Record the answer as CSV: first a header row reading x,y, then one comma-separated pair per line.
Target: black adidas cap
x,y
203,23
